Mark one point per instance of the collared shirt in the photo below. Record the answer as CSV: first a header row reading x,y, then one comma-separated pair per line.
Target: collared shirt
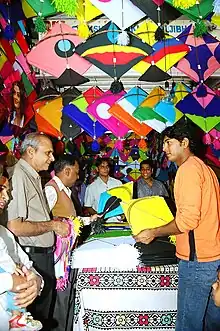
x,y
28,202
94,190
197,198
144,190
51,193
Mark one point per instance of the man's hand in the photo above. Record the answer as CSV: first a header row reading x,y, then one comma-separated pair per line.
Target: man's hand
x,y
61,228
18,271
94,217
28,291
18,280
145,236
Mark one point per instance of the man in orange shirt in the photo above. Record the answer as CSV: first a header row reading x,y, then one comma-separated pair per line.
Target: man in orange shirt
x,y
197,226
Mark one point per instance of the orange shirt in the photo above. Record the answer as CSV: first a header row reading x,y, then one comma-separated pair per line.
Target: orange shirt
x,y
197,198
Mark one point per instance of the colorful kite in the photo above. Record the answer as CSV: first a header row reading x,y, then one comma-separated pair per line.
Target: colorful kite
x,y
123,192
52,112
202,110
203,59
59,44
102,50
77,111
166,107
165,55
124,108
100,110
145,112
92,127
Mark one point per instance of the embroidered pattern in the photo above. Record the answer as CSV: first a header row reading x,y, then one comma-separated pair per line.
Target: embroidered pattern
x,y
161,278
130,320
153,278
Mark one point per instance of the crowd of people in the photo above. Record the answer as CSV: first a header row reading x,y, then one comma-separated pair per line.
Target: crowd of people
x,y
29,294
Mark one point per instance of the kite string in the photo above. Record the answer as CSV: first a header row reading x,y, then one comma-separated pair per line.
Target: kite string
x,y
200,79
64,46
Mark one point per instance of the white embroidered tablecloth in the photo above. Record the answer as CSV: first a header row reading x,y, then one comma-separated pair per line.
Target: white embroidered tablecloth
x,y
111,299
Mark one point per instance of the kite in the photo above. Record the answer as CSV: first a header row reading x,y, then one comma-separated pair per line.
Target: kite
x,y
121,12
166,107
102,50
168,13
202,110
203,59
100,110
145,112
124,108
59,44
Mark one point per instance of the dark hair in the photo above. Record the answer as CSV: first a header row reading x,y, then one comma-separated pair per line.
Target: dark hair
x,y
101,160
64,161
148,162
20,85
184,129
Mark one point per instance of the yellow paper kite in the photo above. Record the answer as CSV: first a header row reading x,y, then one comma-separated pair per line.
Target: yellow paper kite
x,y
85,13
146,213
146,31
123,192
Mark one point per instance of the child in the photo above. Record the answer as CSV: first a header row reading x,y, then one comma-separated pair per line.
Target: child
x,y
216,290
13,261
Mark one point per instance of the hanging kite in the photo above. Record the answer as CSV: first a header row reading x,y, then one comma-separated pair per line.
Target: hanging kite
x,y
203,109
199,11
59,45
165,12
41,8
203,59
122,12
86,11
102,50
77,111
70,78
52,112
100,110
88,124
69,128
166,107
166,54
145,112
124,108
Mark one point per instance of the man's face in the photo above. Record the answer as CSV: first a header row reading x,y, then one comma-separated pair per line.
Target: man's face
x,y
16,97
71,174
43,155
146,171
173,148
4,189
103,169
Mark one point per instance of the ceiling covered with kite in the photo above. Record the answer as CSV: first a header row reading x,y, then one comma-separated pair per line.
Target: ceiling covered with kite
x,y
158,60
